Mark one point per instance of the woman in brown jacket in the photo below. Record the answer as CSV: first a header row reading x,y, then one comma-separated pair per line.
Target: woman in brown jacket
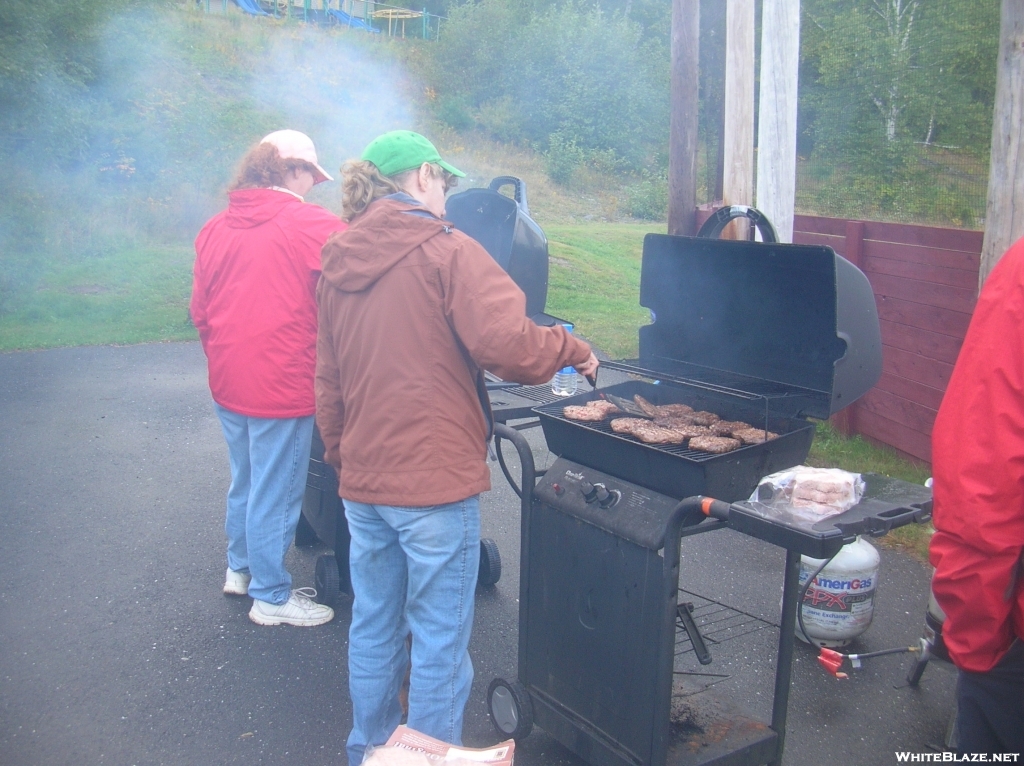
x,y
411,313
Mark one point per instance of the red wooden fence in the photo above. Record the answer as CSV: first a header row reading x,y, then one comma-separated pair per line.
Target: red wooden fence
x,y
925,281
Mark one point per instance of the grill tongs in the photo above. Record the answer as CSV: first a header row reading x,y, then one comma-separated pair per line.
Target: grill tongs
x,y
630,408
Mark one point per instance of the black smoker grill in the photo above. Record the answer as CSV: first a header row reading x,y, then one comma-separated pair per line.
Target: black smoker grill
x,y
768,333
503,226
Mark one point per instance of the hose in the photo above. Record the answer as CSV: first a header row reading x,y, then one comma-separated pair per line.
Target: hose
x,y
897,650
803,594
504,467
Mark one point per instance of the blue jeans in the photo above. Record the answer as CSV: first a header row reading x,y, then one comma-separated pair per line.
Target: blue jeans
x,y
989,706
269,461
413,571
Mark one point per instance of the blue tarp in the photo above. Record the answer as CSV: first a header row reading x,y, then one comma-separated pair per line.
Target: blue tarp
x,y
351,21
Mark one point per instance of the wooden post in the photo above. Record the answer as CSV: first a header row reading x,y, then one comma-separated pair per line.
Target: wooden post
x,y
682,147
776,125
854,247
738,181
1004,210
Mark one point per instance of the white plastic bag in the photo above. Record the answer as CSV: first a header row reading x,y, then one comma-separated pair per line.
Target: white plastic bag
x,y
810,494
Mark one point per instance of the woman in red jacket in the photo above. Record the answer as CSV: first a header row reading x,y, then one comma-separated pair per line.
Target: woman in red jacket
x,y
254,304
978,461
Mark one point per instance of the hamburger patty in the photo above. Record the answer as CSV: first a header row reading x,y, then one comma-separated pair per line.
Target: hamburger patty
x,y
754,435
702,418
661,410
727,427
646,431
683,426
591,412
716,444
586,414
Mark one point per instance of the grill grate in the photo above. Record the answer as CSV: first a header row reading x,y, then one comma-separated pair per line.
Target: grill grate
x,y
542,394
716,622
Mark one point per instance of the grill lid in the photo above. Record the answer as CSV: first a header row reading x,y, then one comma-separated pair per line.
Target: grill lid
x,y
796,324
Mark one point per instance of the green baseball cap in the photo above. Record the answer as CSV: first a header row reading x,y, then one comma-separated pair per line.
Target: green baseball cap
x,y
402,150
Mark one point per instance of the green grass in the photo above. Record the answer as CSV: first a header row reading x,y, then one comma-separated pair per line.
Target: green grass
x,y
594,279
123,297
833,450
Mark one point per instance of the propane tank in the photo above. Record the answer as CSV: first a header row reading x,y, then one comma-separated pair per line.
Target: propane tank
x,y
840,603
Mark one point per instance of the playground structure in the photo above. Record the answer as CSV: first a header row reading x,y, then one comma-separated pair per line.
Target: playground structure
x,y
365,15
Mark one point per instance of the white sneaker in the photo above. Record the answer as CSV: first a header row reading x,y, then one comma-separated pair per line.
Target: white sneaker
x,y
237,583
300,609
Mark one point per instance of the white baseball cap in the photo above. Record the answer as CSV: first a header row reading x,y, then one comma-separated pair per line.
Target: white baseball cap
x,y
293,145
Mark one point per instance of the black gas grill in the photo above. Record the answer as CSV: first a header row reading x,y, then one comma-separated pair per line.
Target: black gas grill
x,y
770,334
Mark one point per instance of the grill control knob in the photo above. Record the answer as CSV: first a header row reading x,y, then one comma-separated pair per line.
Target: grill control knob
x,y
611,498
589,491
603,495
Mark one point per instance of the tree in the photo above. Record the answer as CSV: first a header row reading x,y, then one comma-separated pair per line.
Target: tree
x,y
568,79
48,56
900,67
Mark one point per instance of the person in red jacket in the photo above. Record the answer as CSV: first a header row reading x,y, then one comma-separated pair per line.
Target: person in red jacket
x,y
978,466
412,312
254,305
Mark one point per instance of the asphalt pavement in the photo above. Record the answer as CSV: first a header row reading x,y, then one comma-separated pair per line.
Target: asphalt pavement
x,y
117,646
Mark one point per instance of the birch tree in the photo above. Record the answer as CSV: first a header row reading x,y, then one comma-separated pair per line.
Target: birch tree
x,y
889,91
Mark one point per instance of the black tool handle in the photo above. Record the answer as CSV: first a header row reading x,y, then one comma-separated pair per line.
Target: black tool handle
x,y
685,612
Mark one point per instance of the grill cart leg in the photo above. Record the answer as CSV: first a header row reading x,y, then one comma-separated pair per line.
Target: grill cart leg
x,y
509,703
787,639
917,670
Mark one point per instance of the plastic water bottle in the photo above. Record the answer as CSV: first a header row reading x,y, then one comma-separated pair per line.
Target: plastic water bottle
x,y
564,383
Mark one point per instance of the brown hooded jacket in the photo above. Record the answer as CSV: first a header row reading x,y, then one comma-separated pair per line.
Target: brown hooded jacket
x,y
411,312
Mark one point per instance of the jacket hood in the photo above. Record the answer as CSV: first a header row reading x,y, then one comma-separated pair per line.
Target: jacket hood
x,y
381,237
251,207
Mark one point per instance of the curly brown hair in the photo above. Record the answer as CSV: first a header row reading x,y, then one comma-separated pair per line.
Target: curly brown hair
x,y
362,183
263,167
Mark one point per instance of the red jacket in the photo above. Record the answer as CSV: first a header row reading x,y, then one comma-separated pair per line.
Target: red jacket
x,y
254,301
978,462
411,310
